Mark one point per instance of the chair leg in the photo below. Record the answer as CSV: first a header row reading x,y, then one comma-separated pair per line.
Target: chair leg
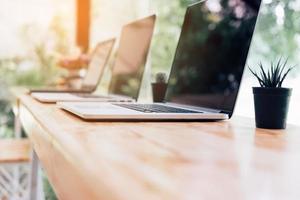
x,y
17,126
17,134
33,194
40,188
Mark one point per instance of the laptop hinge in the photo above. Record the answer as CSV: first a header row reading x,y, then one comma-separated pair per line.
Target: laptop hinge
x,y
194,107
226,112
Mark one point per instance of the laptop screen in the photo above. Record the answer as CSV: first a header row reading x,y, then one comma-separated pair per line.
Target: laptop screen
x,y
212,53
97,64
131,58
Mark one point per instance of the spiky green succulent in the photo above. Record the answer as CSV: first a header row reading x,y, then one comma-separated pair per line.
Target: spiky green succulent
x,y
161,78
275,76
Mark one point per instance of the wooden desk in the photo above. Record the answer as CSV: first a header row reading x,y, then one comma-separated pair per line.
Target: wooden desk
x,y
140,161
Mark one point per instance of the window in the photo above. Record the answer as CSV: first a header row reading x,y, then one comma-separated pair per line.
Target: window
x,y
34,33
108,17
23,22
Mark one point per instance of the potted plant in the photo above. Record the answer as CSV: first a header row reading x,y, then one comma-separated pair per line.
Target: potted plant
x,y
271,99
159,87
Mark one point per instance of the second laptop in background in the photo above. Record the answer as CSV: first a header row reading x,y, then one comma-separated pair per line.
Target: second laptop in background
x,y
127,72
94,73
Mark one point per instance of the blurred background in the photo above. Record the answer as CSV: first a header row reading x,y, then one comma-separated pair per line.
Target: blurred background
x,y
36,34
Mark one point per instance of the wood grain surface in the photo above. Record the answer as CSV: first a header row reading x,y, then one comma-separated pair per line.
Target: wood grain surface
x,y
140,161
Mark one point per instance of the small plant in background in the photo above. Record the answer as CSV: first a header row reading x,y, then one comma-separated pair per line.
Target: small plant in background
x,y
274,77
159,87
161,78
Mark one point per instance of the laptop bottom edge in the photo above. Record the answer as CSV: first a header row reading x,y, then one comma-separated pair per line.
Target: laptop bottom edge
x,y
121,117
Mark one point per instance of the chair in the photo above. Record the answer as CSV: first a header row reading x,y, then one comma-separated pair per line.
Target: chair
x,y
14,169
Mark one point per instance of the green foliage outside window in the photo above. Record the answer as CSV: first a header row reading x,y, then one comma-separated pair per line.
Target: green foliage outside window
x,y
277,33
170,18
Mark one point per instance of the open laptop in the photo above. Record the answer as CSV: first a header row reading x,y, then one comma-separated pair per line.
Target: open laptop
x,y
127,71
206,72
95,70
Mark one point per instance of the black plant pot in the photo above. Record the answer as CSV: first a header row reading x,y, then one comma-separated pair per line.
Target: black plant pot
x,y
159,91
271,107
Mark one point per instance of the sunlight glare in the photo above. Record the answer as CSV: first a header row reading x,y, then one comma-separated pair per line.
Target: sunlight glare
x,y
279,12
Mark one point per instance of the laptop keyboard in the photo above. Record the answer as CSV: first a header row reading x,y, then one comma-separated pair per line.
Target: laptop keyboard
x,y
154,108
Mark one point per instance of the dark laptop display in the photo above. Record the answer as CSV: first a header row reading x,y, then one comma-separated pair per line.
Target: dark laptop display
x,y
131,59
212,53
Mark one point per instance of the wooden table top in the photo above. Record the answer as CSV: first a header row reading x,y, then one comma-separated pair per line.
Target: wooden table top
x,y
219,160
